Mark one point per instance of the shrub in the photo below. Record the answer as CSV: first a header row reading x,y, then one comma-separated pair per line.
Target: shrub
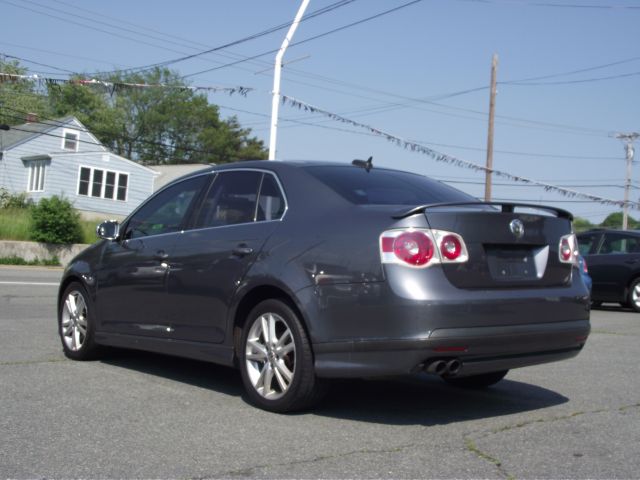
x,y
17,200
54,220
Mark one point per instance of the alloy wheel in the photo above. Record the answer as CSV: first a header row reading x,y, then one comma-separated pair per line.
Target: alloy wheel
x,y
74,321
270,356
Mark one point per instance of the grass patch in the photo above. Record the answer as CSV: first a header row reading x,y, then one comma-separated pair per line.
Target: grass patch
x,y
51,262
15,224
88,228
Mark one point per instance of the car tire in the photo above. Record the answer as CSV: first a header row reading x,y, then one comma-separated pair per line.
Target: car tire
x,y
76,324
596,304
276,360
477,381
633,297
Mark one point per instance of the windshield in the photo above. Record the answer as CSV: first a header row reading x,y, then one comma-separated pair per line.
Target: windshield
x,y
385,187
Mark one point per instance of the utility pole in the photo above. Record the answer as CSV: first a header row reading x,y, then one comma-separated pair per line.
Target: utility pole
x,y
628,138
275,104
492,107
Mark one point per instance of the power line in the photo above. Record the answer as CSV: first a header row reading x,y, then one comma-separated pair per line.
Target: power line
x,y
36,63
573,82
57,123
556,5
51,52
441,157
470,182
393,106
507,152
268,31
315,37
93,28
573,72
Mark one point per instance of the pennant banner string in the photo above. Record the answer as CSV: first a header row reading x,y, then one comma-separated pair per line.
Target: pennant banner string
x,y
442,157
114,86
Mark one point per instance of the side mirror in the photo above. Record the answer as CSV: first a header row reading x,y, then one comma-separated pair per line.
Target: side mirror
x,y
109,230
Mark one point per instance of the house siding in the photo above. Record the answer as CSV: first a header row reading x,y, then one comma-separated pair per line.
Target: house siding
x,y
63,170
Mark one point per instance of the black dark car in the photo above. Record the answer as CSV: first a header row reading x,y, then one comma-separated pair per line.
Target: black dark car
x,y
613,257
300,272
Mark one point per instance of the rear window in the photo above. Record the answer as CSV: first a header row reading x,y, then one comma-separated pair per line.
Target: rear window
x,y
385,187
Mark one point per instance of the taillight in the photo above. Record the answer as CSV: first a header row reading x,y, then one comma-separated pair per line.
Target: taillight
x,y
414,248
568,249
422,247
584,266
451,247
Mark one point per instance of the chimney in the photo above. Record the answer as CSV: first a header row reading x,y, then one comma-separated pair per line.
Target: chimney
x,y
32,118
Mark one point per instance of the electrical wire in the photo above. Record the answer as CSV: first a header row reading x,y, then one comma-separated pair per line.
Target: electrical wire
x,y
556,5
268,31
443,96
57,123
315,37
36,63
573,82
59,54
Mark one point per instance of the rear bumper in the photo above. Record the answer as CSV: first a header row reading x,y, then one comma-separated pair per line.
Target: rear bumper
x,y
479,349
395,327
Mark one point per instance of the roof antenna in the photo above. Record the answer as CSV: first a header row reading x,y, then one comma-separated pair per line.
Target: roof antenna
x,y
367,165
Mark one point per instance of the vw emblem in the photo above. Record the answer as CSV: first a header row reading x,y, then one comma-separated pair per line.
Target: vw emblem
x,y
517,228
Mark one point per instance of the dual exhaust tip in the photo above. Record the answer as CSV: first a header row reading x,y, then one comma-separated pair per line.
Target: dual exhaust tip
x,y
444,367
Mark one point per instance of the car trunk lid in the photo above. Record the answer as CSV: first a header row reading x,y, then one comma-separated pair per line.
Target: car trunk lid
x,y
507,248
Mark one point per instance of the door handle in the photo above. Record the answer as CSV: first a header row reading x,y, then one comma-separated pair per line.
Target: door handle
x,y
242,250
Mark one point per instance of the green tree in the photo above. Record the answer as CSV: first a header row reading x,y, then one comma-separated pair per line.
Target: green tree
x,y
614,220
582,224
172,124
18,97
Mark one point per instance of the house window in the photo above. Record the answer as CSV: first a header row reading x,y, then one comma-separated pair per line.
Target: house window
x,y
37,170
123,180
99,183
96,185
70,140
85,180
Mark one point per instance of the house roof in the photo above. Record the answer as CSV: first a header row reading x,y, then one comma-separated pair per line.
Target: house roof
x,y
20,133
168,173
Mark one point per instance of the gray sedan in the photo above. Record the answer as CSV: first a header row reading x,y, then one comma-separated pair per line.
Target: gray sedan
x,y
296,273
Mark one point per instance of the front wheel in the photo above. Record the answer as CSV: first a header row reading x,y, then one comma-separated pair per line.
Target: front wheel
x,y
477,381
76,324
276,361
633,299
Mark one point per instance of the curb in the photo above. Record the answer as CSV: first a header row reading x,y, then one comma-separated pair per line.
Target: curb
x,y
31,251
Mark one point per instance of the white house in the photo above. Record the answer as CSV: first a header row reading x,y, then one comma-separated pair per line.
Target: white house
x,y
61,157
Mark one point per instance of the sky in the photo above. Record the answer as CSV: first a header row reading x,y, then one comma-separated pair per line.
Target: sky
x,y
568,79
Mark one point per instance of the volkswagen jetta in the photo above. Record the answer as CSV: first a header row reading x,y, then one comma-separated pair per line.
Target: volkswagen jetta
x,y
299,272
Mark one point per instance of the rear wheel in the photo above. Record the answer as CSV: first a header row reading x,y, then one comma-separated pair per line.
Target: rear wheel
x,y
276,361
633,299
76,324
477,381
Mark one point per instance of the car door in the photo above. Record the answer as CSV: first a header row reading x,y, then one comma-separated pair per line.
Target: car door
x,y
240,211
613,264
131,282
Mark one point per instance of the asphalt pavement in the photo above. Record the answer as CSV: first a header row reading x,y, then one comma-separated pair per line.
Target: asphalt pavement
x,y
138,415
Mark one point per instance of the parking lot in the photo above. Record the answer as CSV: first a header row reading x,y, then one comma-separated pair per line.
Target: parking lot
x,y
142,415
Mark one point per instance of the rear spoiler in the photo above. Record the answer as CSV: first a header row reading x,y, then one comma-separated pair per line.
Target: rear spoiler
x,y
505,207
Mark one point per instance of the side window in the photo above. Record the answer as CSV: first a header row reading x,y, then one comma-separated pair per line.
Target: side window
x,y
231,200
166,212
271,205
619,243
588,243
